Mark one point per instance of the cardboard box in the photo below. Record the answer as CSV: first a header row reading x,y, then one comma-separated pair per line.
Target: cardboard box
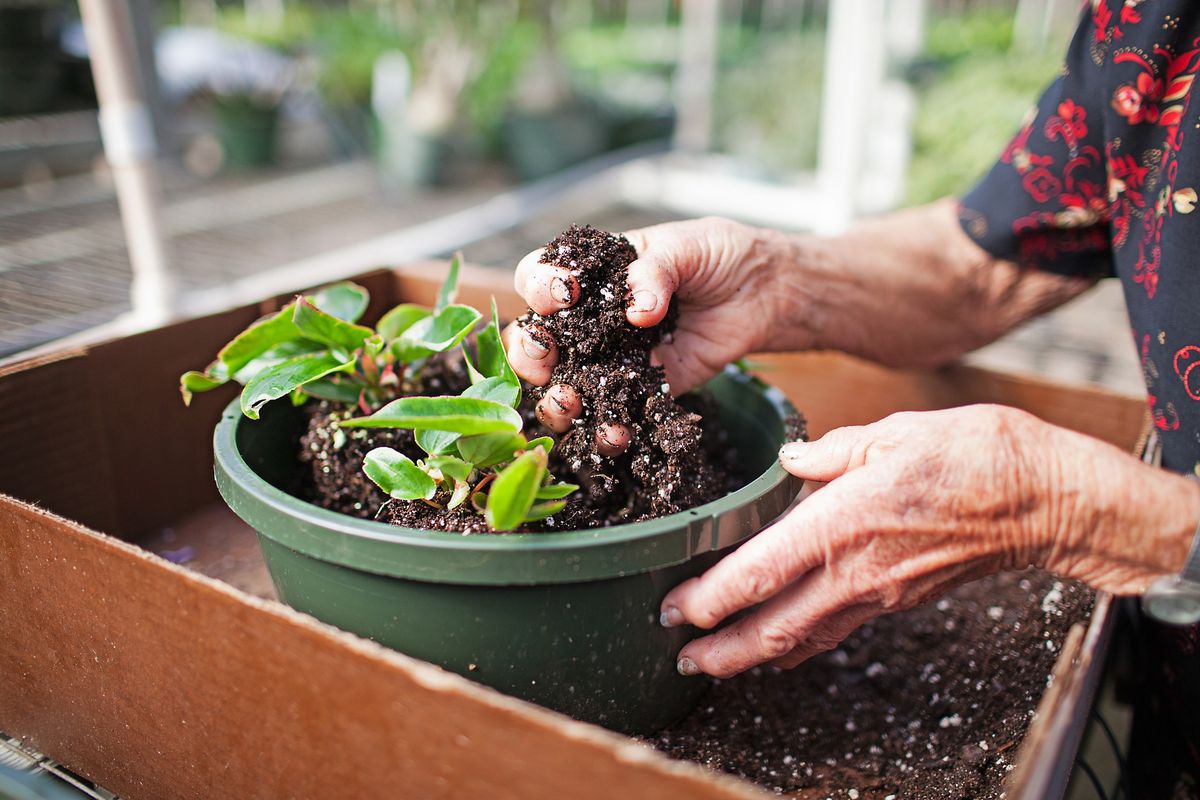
x,y
157,681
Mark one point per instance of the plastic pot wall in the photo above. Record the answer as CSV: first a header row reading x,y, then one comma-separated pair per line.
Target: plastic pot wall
x,y
565,620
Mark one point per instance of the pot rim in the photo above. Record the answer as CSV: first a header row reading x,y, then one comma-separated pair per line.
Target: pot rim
x,y
516,558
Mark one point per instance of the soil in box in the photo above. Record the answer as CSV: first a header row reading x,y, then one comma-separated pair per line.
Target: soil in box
x,y
929,703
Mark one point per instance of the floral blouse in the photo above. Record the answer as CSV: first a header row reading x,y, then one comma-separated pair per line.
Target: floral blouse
x,y
1101,181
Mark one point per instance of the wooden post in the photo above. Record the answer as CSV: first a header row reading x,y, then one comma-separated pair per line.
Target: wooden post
x,y
697,74
130,149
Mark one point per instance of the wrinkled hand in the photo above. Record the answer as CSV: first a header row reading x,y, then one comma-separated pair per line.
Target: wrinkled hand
x,y
724,277
917,504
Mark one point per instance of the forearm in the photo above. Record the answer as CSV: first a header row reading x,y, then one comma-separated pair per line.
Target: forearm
x,y
909,289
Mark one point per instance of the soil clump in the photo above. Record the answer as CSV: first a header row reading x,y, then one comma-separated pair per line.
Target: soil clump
x,y
679,456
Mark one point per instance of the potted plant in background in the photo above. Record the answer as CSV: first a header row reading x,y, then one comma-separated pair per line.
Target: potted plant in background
x,y
549,125
429,409
245,73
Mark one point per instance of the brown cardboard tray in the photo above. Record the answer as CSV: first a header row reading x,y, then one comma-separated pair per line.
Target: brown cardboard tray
x,y
159,681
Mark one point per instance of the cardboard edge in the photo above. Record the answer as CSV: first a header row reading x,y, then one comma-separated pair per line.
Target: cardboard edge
x,y
624,750
1057,730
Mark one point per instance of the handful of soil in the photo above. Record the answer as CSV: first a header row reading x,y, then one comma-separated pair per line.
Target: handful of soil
x,y
679,454
678,457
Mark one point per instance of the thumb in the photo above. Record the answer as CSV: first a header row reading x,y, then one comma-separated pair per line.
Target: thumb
x,y
652,280
834,454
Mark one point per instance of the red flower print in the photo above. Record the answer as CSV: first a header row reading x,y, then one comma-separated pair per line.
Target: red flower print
x,y
1138,102
1018,148
1041,184
1164,419
1120,226
1071,121
1127,101
1126,169
1082,193
1187,359
1101,17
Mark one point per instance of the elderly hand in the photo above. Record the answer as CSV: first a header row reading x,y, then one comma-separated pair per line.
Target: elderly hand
x,y
917,504
728,283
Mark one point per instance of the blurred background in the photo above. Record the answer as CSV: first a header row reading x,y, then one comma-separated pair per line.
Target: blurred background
x,y
261,145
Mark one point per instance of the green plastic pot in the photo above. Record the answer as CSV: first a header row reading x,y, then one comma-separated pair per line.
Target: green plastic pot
x,y
247,131
566,620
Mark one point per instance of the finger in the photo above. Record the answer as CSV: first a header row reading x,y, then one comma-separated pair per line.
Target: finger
x,y
531,352
652,280
526,267
756,571
559,407
612,439
550,288
836,453
794,619
682,361
829,634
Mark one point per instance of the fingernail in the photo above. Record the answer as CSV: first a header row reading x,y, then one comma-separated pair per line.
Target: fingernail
x,y
671,617
685,666
644,301
560,290
533,348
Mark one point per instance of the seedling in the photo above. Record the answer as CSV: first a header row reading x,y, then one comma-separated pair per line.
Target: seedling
x,y
475,451
313,348
473,442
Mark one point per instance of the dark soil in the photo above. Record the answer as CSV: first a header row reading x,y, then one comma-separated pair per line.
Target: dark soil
x,y
335,478
678,457
929,703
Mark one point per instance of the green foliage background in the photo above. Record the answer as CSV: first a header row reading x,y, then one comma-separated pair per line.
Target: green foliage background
x,y
974,88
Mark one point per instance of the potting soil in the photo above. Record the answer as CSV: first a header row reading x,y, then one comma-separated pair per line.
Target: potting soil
x,y
679,457
924,704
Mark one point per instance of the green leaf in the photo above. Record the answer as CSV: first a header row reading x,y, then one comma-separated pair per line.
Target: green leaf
x,y
397,475
193,381
438,333
497,390
437,442
347,301
462,491
373,346
542,510
315,324
335,391
490,449
258,339
513,491
544,442
276,381
466,415
555,491
280,352
449,288
400,319
490,359
450,466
